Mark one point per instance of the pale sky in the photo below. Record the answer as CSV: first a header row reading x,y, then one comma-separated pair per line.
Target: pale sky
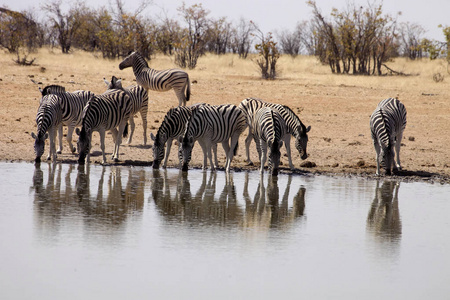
x,y
273,15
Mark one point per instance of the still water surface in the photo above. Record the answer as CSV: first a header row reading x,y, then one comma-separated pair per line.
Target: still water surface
x,y
134,233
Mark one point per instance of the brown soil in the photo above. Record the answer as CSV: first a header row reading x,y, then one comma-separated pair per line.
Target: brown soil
x,y
337,108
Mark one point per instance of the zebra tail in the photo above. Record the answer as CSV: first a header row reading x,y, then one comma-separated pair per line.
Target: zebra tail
x,y
125,131
188,90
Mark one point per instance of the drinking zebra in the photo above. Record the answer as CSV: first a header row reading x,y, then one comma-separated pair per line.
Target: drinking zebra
x,y
48,118
173,126
268,129
209,125
72,104
103,112
295,127
386,126
160,81
139,104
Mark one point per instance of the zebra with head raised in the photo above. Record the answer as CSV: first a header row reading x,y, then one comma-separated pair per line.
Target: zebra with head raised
x,y
48,119
159,81
139,103
72,104
387,124
269,128
208,125
173,126
295,127
104,112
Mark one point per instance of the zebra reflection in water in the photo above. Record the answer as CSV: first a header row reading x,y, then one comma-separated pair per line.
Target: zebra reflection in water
x,y
59,202
383,220
266,210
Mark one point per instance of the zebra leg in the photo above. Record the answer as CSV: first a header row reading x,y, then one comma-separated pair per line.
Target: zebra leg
x,y
144,124
114,134
60,138
216,161
248,141
377,156
69,138
287,143
181,97
263,155
205,153
119,140
398,143
168,146
52,146
102,144
226,148
133,126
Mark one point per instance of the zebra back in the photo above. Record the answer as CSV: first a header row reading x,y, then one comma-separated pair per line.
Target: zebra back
x,y
137,93
269,125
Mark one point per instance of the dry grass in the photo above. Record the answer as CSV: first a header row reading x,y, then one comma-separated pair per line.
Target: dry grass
x,y
336,106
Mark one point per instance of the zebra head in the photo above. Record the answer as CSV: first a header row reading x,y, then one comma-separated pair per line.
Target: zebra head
x,y
83,143
158,148
115,83
129,60
301,140
39,145
186,144
274,156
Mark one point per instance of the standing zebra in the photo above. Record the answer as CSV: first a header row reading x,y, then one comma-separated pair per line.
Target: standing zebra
x,y
209,125
139,103
48,119
103,112
387,124
71,104
173,126
268,128
295,127
160,81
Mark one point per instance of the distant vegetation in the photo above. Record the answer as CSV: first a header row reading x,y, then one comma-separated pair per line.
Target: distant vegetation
x,y
356,40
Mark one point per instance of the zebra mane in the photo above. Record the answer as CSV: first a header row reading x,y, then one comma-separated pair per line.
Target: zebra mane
x,y
302,127
141,58
52,89
275,142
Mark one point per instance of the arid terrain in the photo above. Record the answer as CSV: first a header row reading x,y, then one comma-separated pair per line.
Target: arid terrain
x,y
337,107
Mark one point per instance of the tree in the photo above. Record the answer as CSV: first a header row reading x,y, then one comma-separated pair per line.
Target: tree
x,y
191,44
410,38
291,42
218,37
242,38
268,54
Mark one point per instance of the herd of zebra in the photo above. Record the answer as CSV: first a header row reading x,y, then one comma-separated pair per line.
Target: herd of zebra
x,y
270,125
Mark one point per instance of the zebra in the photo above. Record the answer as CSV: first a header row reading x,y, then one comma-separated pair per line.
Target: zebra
x,y
387,124
72,104
173,126
103,112
139,103
48,118
160,81
295,127
212,124
268,128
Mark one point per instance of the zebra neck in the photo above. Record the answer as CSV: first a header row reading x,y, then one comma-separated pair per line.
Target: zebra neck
x,y
139,65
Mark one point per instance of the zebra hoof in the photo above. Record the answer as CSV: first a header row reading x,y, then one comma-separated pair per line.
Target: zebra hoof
x,y
59,151
250,163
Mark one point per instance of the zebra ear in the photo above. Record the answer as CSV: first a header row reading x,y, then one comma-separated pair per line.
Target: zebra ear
x,y
46,136
77,131
280,144
180,139
106,81
191,140
308,128
152,136
33,135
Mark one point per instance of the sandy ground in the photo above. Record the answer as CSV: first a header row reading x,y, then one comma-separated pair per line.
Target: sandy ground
x,y
337,108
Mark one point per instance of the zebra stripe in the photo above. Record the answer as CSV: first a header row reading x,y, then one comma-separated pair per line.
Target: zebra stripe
x,y
139,104
160,81
103,112
48,119
173,126
213,124
387,124
268,130
295,127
